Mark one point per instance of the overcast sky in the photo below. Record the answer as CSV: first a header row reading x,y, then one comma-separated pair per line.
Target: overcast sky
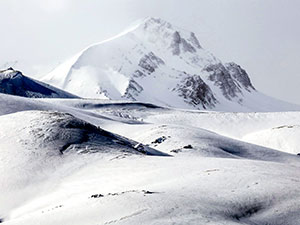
x,y
263,36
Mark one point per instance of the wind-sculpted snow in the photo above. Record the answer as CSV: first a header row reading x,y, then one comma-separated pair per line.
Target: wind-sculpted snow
x,y
156,62
15,83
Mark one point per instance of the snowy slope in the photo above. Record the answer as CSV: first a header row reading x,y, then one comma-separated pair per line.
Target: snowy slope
x,y
35,143
178,190
159,63
15,83
58,165
283,138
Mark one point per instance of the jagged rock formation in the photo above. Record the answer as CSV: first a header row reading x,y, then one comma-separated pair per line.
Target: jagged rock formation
x,y
240,75
222,78
196,92
150,62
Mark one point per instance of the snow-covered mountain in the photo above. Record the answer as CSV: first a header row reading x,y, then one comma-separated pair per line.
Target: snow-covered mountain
x,y
15,83
159,63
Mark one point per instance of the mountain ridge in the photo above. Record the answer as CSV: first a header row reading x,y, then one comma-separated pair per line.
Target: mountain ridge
x,y
13,82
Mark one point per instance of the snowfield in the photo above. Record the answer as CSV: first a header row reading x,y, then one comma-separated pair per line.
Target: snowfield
x,y
87,161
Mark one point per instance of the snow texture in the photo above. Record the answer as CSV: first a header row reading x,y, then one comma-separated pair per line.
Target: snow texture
x,y
80,161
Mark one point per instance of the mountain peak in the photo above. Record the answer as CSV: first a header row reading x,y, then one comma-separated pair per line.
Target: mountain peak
x,y
155,21
157,62
165,36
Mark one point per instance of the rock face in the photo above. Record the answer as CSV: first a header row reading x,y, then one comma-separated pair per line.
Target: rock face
x,y
150,62
240,75
15,83
196,92
155,62
221,77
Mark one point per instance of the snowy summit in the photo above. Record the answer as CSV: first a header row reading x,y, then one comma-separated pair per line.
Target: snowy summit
x,y
159,63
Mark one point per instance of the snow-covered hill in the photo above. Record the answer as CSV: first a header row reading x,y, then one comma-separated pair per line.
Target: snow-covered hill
x,y
15,83
63,161
159,63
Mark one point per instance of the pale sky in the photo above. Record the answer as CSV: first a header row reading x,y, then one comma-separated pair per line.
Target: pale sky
x,y
263,36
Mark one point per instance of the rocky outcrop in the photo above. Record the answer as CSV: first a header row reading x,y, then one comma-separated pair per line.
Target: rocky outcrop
x,y
194,40
150,62
196,92
221,77
133,90
240,75
179,44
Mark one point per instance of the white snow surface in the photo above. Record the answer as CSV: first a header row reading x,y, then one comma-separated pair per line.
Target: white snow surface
x,y
210,177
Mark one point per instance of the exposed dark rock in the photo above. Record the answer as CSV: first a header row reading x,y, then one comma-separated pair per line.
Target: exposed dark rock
x,y
145,192
133,90
284,126
175,45
176,150
149,192
222,78
188,147
187,47
159,140
150,62
140,148
178,41
97,196
240,75
138,73
196,92
194,40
